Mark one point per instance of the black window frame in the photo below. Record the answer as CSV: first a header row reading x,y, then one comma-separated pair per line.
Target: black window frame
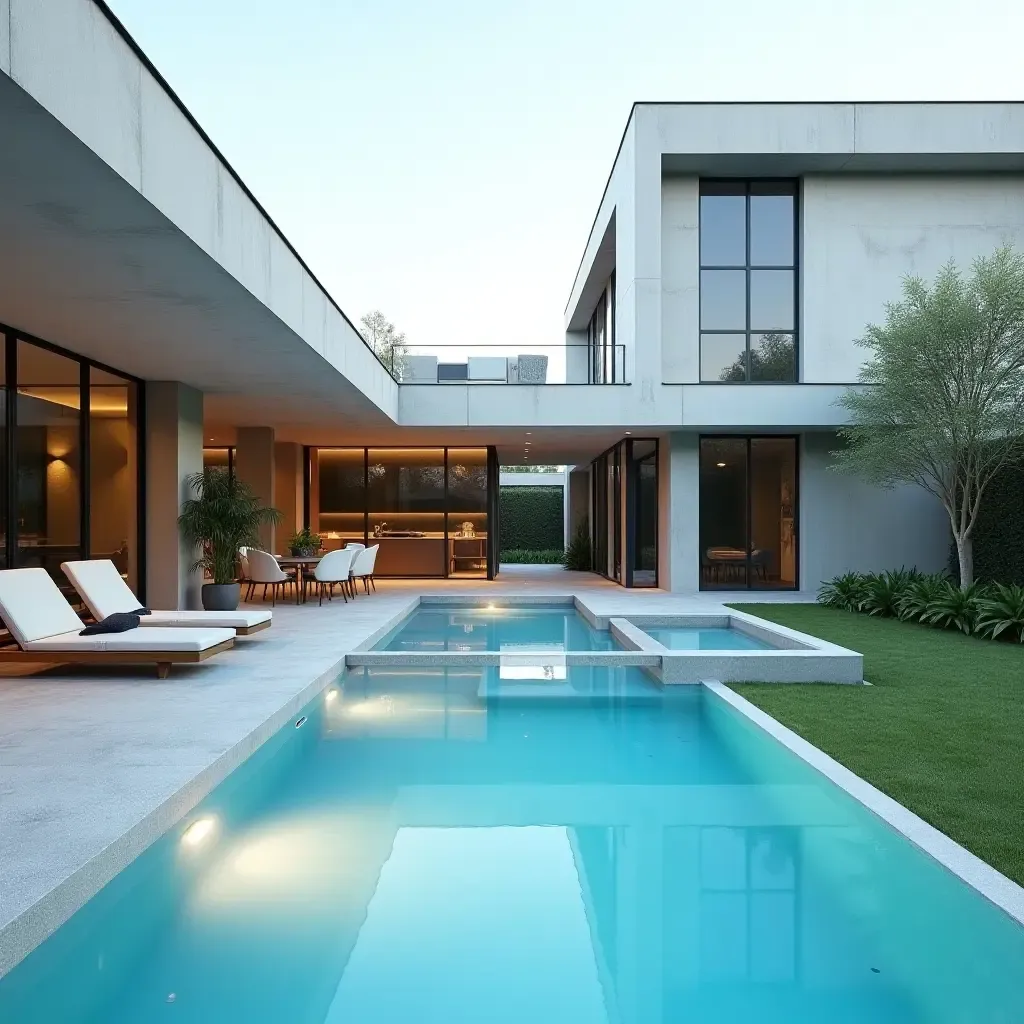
x,y
748,440
12,336
602,354
748,187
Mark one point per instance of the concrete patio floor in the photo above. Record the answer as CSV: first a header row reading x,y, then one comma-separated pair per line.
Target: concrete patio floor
x,y
95,765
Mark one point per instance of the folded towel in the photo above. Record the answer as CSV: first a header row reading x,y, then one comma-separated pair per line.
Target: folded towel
x,y
119,622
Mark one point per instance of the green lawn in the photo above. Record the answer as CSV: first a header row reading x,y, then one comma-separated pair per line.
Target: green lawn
x,y
941,730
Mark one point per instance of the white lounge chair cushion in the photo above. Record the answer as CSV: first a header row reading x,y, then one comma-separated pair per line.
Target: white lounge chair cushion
x,y
226,620
105,593
144,640
33,607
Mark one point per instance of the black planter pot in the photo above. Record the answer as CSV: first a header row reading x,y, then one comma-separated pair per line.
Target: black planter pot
x,y
221,597
303,552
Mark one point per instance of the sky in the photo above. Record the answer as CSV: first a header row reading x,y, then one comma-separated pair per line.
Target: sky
x,y
443,161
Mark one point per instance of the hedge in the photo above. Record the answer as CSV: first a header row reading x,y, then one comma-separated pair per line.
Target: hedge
x,y
530,519
999,532
522,556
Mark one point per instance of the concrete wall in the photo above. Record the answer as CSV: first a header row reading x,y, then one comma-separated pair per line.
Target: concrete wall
x,y
847,525
680,280
862,235
174,449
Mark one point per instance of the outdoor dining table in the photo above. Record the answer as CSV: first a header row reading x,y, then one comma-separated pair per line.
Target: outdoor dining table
x,y
302,564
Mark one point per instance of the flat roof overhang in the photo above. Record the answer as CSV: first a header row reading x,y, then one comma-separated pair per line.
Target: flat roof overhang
x,y
160,265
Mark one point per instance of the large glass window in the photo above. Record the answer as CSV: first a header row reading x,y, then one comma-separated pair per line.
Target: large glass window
x,y
428,509
605,362
114,472
624,504
642,521
748,281
341,496
467,512
748,512
219,457
49,459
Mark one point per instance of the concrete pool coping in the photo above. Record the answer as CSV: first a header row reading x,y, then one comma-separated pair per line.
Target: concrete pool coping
x,y
984,879
793,657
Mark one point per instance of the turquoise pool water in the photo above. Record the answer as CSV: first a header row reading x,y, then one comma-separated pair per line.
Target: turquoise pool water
x,y
434,627
698,638
415,853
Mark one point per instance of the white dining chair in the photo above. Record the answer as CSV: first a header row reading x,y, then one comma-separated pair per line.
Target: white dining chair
x,y
362,567
333,569
243,571
263,568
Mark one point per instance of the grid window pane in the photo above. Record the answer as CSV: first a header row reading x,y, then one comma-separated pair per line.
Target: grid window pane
x,y
771,231
772,357
723,357
723,300
771,300
723,231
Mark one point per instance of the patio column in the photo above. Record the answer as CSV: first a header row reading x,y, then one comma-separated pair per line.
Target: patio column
x,y
174,449
254,463
678,513
288,489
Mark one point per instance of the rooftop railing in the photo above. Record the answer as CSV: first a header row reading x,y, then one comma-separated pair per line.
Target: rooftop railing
x,y
507,364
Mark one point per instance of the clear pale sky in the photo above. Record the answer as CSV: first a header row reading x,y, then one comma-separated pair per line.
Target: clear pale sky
x,y
443,160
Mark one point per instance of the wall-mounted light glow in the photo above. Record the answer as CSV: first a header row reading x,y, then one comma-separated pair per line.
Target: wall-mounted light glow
x,y
331,695
198,831
491,607
721,465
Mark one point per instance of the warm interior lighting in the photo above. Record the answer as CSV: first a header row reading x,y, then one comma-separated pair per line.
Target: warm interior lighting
x,y
197,832
721,465
491,607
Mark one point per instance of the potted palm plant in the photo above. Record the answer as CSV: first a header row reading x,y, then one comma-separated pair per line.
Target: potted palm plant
x,y
223,516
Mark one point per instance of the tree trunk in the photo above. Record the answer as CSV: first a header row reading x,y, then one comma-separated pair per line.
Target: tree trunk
x,y
965,556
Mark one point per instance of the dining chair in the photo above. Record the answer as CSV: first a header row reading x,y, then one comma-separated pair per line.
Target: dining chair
x,y
334,569
362,567
263,568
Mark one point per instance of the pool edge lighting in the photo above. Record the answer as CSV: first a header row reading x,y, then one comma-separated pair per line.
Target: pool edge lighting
x,y
197,832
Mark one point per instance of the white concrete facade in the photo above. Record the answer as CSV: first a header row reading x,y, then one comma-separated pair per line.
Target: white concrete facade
x,y
883,191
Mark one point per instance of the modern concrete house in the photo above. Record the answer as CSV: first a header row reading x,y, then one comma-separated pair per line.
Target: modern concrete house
x,y
155,318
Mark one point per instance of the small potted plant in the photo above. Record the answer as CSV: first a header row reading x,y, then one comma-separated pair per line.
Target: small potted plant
x,y
223,516
305,543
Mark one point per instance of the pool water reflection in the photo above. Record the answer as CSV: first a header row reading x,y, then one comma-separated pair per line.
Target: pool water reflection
x,y
416,853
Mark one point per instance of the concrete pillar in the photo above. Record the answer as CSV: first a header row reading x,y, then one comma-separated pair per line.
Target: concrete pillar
x,y
255,464
174,450
288,488
678,513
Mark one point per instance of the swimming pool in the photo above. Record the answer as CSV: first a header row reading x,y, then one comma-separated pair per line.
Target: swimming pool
x,y
413,853
698,638
448,627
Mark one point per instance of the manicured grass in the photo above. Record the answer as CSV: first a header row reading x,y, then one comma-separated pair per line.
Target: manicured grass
x,y
941,730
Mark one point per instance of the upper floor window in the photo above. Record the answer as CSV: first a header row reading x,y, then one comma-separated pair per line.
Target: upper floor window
x,y
748,281
604,365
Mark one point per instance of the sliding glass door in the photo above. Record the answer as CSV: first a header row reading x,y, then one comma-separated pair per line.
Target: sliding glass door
x,y
748,513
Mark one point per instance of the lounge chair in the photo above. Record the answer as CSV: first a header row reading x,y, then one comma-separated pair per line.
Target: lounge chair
x,y
105,593
47,631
